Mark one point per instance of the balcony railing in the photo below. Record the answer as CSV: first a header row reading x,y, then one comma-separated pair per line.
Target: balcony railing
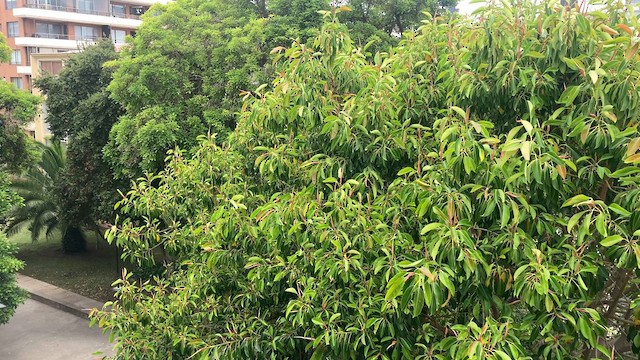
x,y
36,5
64,36
49,36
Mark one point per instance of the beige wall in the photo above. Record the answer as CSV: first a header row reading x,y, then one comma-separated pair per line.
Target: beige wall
x,y
39,125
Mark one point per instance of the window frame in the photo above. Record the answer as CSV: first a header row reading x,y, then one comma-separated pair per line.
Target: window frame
x,y
13,29
114,37
79,33
16,60
17,82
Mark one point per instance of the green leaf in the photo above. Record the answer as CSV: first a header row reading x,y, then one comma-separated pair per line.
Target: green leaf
x,y
600,224
502,355
525,149
406,170
569,95
444,279
430,227
520,270
534,54
460,112
394,287
584,327
576,200
469,165
574,64
574,220
527,126
611,240
619,210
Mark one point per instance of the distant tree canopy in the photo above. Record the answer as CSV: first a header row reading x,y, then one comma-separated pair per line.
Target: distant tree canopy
x,y
17,108
181,77
81,110
394,16
184,72
470,194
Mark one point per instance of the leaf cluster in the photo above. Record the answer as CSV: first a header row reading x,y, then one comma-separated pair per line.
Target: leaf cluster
x,y
472,194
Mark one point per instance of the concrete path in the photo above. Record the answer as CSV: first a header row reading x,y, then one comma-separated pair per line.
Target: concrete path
x,y
39,331
58,298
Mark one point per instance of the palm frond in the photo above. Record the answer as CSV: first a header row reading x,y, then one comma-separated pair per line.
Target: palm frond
x,y
14,228
37,210
53,226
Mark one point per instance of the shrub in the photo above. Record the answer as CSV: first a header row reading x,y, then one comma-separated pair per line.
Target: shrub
x,y
472,194
10,294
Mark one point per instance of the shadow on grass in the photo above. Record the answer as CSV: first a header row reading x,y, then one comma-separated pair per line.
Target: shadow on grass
x,y
89,274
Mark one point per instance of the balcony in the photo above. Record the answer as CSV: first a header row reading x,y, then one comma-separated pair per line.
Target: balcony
x,y
35,5
143,2
51,40
79,16
24,70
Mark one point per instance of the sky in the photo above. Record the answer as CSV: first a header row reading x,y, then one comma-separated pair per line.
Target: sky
x,y
464,6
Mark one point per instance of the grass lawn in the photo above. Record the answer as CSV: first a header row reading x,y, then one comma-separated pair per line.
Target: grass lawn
x,y
89,274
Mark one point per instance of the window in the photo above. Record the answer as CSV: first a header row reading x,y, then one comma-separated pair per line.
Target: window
x,y
86,33
137,10
85,6
30,50
51,4
13,30
11,4
117,36
17,81
16,57
51,67
118,11
51,31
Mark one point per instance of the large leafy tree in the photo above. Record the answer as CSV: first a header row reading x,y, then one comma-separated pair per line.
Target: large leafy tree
x,y
181,77
183,73
81,111
472,194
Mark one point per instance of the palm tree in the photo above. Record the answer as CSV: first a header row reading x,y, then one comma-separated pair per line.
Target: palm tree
x,y
40,211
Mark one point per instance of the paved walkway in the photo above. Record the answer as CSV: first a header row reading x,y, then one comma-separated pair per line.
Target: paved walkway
x,y
59,298
39,331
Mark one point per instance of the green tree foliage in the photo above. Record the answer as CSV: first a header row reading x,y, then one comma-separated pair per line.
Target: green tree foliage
x,y
80,110
394,16
471,195
40,211
10,294
184,72
17,107
181,77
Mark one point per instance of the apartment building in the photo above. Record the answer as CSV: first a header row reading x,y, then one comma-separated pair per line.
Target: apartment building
x,y
60,26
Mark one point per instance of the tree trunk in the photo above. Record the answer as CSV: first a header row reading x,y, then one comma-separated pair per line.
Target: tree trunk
x,y
262,8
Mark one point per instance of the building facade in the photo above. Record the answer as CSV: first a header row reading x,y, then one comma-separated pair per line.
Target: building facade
x,y
42,63
60,26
